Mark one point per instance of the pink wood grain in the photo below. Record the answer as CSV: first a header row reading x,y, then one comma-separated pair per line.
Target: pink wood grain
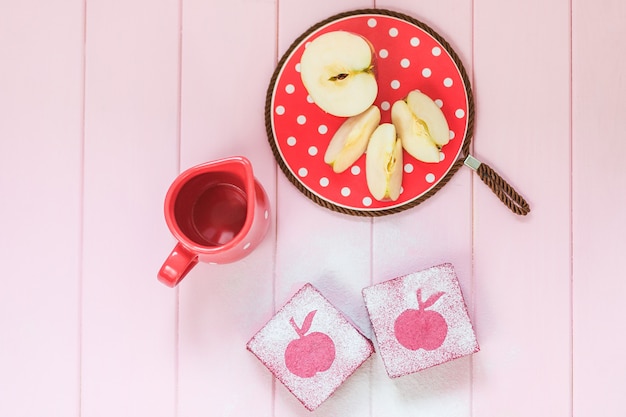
x,y
131,105
222,306
103,103
522,266
599,181
437,231
40,207
320,246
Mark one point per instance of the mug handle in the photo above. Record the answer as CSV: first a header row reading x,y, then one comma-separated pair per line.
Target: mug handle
x,y
177,265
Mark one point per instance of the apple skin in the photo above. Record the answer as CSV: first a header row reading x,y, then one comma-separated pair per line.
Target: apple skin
x,y
351,139
310,353
337,70
383,163
421,329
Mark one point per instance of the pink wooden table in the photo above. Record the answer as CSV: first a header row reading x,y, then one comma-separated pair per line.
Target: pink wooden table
x,y
104,102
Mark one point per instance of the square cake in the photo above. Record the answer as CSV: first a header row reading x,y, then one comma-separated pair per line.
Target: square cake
x,y
420,320
310,347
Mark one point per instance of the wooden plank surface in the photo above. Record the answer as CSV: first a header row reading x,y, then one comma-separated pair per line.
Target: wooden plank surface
x,y
317,245
41,93
599,181
522,266
103,103
222,306
436,231
131,105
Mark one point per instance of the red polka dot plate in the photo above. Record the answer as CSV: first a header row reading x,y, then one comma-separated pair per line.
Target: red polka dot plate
x,y
409,55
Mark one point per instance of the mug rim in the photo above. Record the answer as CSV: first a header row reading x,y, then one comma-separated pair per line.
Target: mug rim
x,y
183,178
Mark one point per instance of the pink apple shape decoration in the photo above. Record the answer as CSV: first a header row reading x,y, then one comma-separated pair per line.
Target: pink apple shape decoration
x,y
421,329
310,353
420,320
312,359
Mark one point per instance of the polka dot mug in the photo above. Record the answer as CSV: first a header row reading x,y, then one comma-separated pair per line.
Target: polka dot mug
x,y
218,212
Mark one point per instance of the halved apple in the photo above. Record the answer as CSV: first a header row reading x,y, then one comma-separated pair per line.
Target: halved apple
x,y
337,71
350,140
421,125
383,163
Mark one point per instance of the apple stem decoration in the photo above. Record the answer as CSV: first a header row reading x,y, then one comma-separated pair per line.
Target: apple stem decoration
x,y
309,354
420,328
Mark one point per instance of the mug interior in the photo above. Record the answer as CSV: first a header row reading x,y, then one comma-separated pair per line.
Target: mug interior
x,y
211,208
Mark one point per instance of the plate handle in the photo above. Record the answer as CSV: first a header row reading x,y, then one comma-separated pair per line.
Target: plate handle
x,y
507,194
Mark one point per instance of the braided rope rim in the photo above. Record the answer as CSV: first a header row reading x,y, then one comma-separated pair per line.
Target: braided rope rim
x,y
443,181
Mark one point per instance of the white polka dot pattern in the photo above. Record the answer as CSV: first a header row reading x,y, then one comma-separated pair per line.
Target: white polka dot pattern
x,y
406,58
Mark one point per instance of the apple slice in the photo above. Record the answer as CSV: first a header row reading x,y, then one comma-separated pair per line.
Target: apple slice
x,y
350,140
413,134
421,125
426,110
383,163
337,71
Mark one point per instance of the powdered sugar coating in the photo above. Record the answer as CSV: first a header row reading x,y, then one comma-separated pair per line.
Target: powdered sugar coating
x,y
386,301
352,348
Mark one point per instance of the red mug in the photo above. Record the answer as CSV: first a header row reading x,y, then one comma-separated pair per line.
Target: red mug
x,y
218,212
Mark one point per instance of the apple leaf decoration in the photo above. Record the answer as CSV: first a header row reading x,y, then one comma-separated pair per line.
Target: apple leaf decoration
x,y
309,353
306,324
421,328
